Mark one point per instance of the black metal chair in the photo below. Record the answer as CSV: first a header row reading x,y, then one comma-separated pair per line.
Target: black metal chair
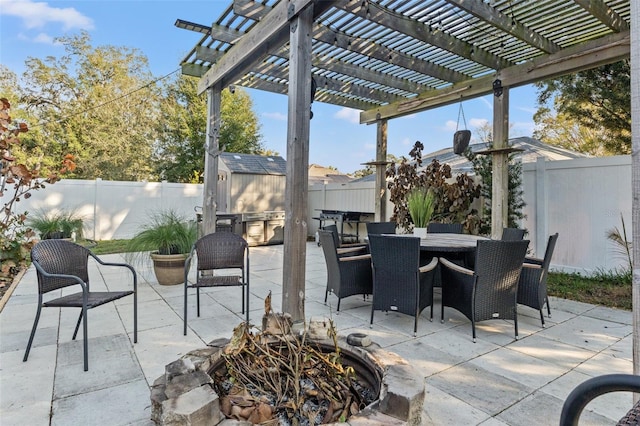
x,y
60,264
346,249
381,228
532,289
399,282
596,386
346,275
222,260
442,228
512,234
490,290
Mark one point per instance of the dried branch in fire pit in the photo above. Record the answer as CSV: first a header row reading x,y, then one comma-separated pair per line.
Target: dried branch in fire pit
x,y
274,379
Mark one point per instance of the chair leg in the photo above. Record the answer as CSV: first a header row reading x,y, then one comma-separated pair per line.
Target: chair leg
x,y
33,329
135,317
75,332
371,323
326,293
338,307
198,300
242,298
185,309
541,317
442,313
473,330
85,338
515,324
548,306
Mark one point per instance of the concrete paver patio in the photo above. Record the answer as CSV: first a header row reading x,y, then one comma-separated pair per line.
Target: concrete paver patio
x,y
496,381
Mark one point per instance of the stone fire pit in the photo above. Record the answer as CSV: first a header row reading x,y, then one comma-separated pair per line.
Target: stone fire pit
x,y
184,395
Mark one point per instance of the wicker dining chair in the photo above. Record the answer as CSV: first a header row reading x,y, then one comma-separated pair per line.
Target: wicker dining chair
x,y
490,290
399,282
512,234
346,275
532,289
592,388
222,260
381,228
444,228
60,264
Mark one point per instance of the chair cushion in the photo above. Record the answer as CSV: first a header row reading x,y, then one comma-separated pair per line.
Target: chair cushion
x,y
96,298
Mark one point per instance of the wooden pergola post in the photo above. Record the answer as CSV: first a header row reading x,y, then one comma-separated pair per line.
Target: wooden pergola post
x,y
380,163
635,180
296,191
212,154
500,162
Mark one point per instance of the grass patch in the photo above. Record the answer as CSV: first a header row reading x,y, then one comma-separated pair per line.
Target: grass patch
x,y
108,246
611,289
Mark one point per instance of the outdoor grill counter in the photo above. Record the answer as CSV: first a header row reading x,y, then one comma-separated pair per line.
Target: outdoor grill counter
x,y
262,228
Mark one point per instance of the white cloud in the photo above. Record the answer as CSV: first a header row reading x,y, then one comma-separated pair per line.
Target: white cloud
x,y
44,39
478,122
275,116
406,142
450,125
348,114
38,14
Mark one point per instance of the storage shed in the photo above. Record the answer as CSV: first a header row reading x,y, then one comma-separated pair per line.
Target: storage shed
x,y
250,194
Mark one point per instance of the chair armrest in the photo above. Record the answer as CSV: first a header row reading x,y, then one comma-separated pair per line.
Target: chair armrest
x,y
531,266
457,268
346,250
347,245
534,260
65,276
353,258
124,265
430,266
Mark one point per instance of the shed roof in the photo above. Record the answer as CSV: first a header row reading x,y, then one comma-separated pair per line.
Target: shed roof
x,y
396,57
254,164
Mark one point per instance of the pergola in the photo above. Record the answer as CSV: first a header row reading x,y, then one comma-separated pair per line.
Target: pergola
x,y
390,58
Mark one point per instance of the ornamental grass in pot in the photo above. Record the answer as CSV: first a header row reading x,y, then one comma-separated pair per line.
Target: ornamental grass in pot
x,y
421,203
169,237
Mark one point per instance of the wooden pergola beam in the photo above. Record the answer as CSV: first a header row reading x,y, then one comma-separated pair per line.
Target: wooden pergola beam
x,y
506,23
252,9
272,31
605,14
598,52
419,30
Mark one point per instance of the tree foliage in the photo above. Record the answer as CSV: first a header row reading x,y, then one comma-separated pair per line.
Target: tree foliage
x,y
96,103
592,110
179,152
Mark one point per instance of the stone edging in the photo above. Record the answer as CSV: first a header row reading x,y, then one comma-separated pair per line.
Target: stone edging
x,y
184,395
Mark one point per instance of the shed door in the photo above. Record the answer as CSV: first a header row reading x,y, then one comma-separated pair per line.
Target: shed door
x,y
222,191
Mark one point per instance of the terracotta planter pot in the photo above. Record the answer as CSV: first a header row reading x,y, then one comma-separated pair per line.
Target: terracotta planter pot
x,y
169,268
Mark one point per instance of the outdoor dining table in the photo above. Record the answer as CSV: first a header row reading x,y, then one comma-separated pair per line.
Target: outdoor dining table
x,y
450,246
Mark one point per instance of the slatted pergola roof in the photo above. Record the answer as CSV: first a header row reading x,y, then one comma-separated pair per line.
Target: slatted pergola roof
x,y
390,58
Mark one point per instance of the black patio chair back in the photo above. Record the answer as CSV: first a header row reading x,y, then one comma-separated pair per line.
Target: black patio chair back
x,y
222,260
512,234
444,228
399,283
490,290
60,264
381,228
532,289
346,275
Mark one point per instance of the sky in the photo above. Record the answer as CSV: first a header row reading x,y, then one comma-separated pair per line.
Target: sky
x,y
28,28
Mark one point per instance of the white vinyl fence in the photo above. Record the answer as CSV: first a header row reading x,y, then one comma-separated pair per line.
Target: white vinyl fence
x,y
580,199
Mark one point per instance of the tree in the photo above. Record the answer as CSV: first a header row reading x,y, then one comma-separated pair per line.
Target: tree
x,y
179,152
98,104
599,98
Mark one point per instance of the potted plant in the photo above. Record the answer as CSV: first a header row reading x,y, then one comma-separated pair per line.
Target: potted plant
x,y
421,203
169,237
57,225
